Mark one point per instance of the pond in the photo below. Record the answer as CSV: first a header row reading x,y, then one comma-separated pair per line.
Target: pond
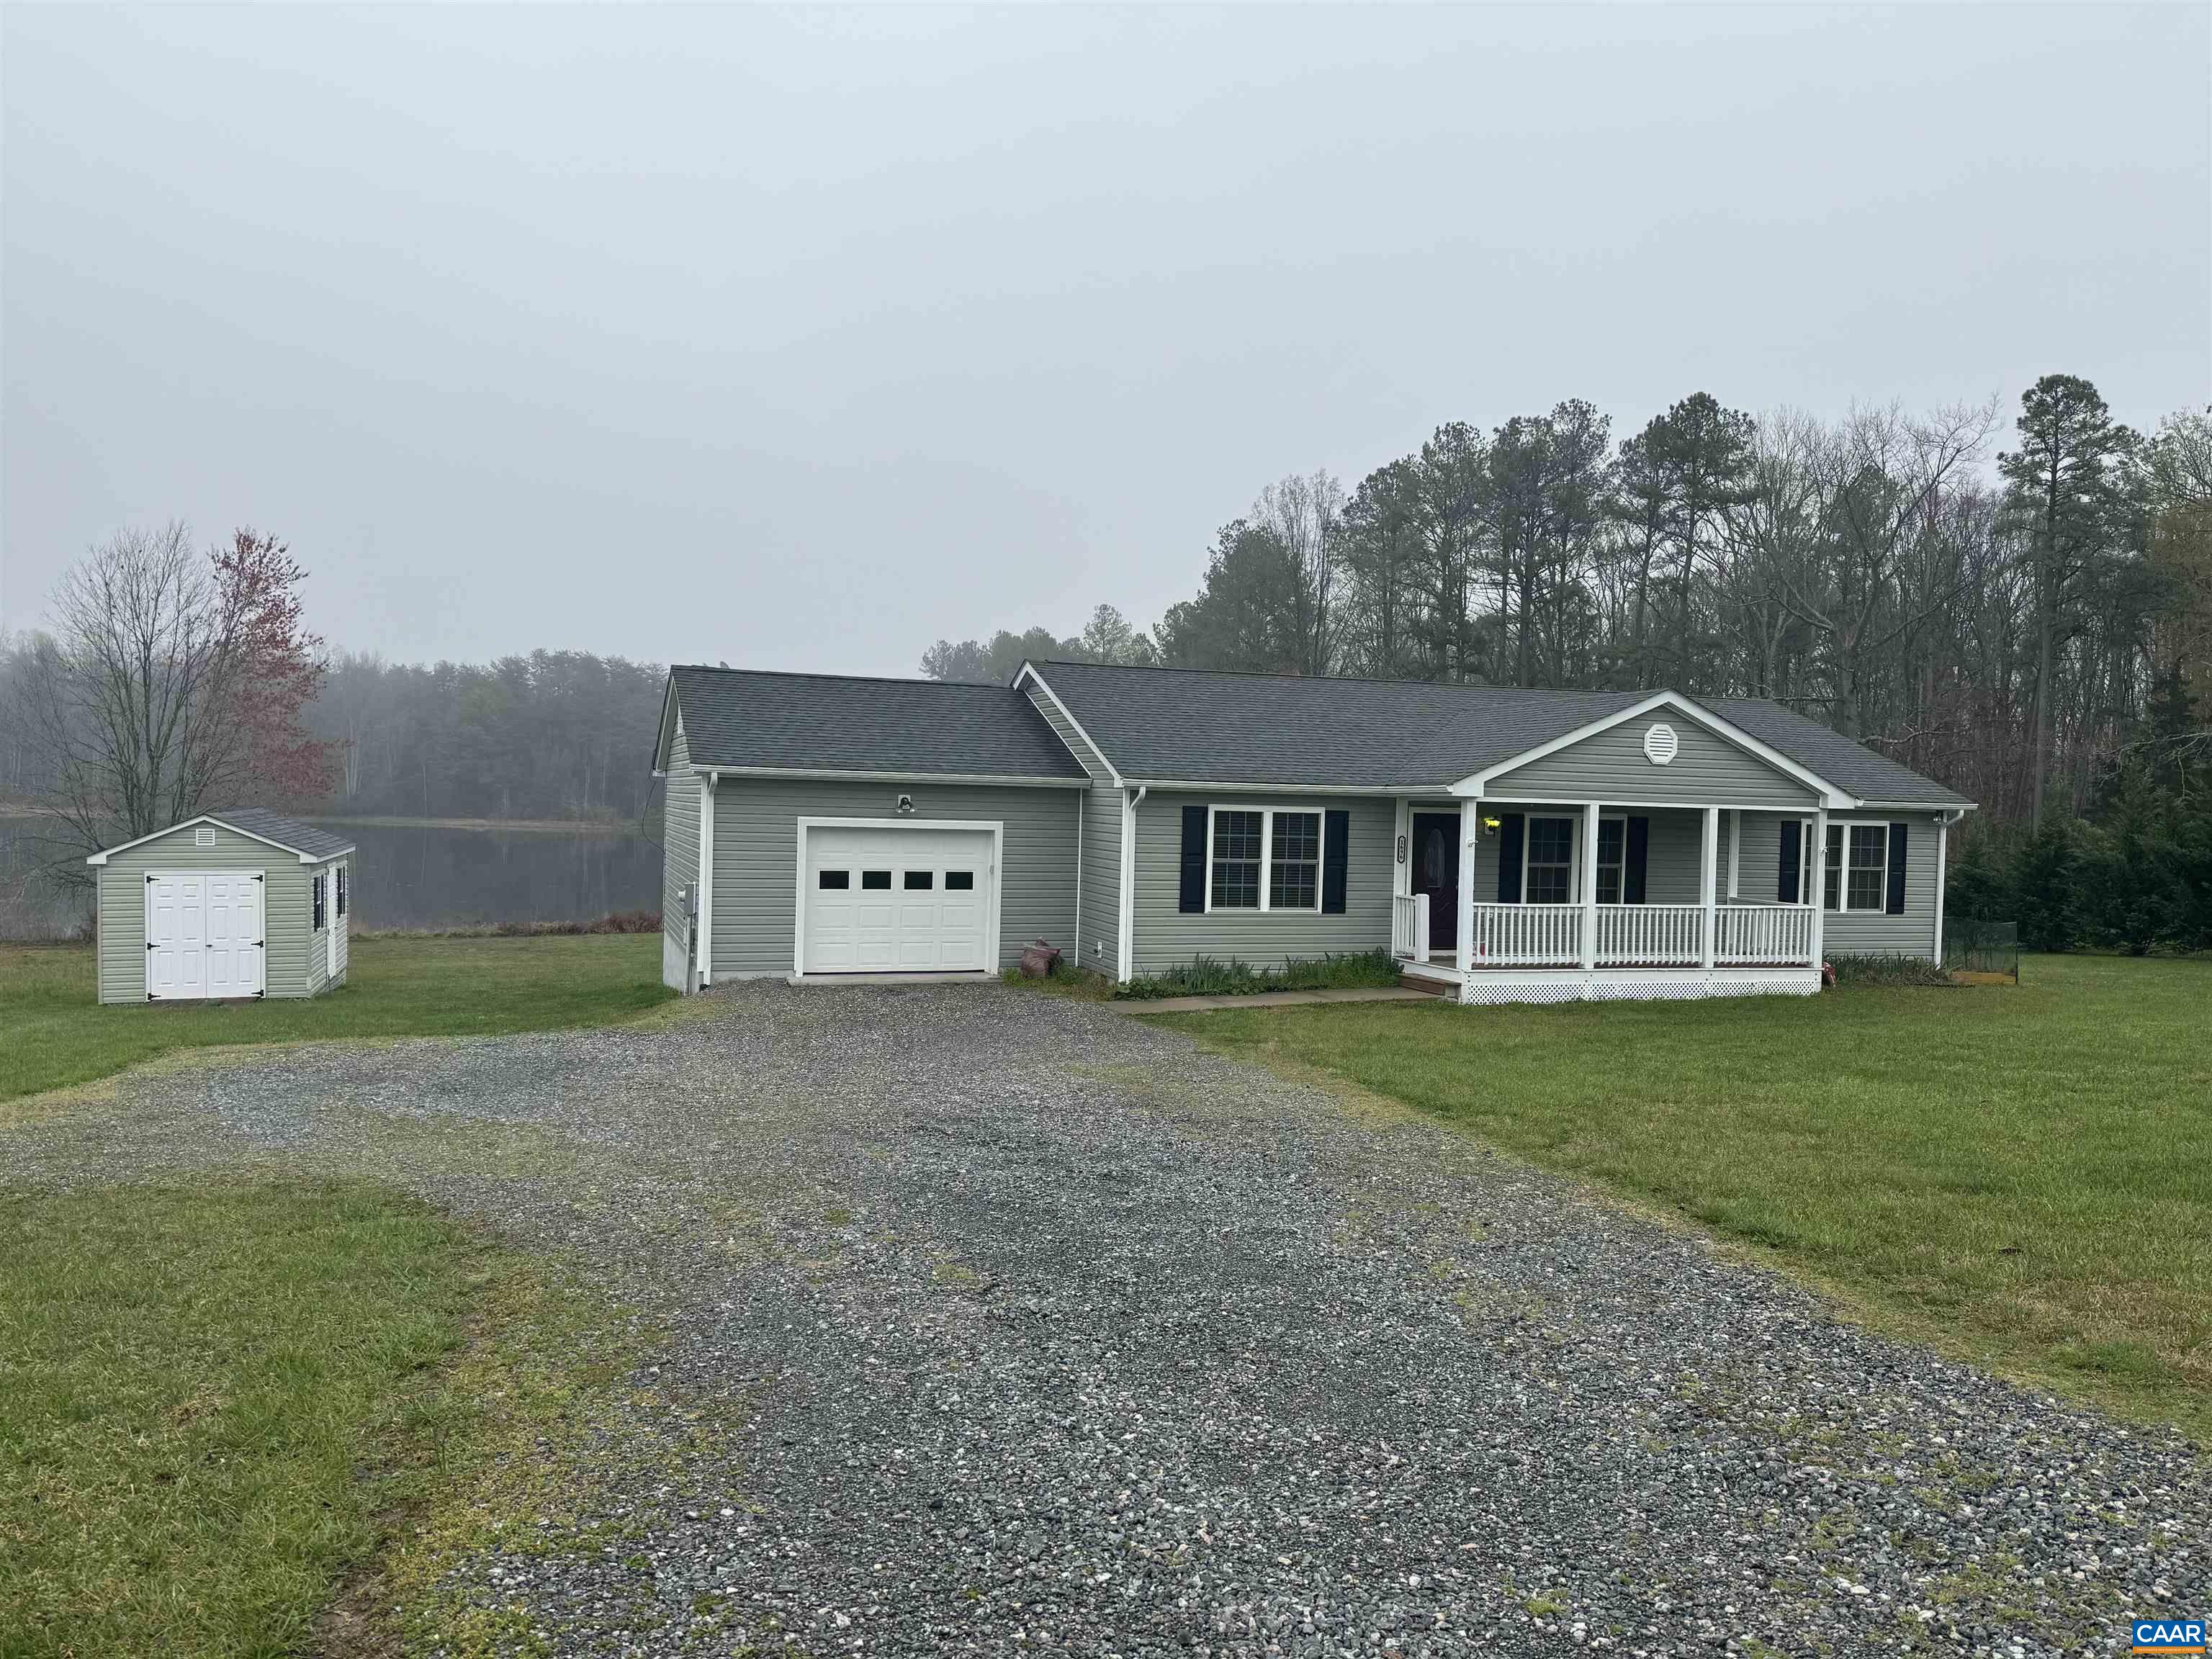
x,y
406,873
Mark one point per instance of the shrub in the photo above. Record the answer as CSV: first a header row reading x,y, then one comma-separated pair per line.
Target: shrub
x,y
1888,970
1210,977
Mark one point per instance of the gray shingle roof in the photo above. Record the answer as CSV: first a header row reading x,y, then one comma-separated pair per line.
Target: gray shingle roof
x,y
1845,763
1189,724
1200,726
285,832
738,717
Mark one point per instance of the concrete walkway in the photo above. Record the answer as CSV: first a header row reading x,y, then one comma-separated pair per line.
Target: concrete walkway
x,y
1273,1000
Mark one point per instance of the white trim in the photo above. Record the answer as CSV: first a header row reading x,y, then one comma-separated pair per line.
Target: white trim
x,y
1709,836
1844,906
1125,933
1574,854
1266,884
1470,828
1555,799
704,933
1286,791
665,731
1585,875
1082,805
107,853
1696,713
1507,985
1735,851
146,880
799,974
1815,897
1942,854
1006,780
1028,670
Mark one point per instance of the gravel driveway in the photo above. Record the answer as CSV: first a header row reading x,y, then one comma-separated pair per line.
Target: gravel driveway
x,y
1021,1326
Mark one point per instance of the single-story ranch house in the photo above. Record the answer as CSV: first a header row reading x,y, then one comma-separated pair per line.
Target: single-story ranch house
x,y
1505,844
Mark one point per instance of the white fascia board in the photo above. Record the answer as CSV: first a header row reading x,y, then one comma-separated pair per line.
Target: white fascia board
x,y
663,732
1028,671
1009,780
107,853
1831,794
1187,786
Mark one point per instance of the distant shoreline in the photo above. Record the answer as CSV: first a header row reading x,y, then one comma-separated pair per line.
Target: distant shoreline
x,y
534,826
12,809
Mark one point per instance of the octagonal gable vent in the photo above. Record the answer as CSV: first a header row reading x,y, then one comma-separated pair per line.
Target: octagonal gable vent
x,y
1659,743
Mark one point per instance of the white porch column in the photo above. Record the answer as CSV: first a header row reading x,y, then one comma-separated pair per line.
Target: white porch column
x,y
1817,885
1735,851
1942,857
1588,867
1707,876
1470,826
1401,849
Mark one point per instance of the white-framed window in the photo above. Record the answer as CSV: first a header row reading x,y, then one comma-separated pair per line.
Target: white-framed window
x,y
315,923
1547,861
1855,868
1612,860
1807,868
1263,858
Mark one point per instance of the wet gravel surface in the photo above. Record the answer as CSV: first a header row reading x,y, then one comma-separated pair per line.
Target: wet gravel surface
x,y
1025,1326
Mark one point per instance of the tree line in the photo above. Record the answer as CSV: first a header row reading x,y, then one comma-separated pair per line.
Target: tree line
x,y
2025,616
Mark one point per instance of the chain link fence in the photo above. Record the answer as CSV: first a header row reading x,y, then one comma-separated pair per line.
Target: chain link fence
x,y
1982,950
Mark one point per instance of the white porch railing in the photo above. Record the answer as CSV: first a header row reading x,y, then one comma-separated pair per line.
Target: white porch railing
x,y
1765,933
1409,927
1650,935
1528,936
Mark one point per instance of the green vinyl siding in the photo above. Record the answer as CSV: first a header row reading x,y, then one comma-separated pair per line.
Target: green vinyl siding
x,y
1100,946
756,857
1672,867
1869,932
1166,936
679,856
1856,932
1063,728
1612,766
286,903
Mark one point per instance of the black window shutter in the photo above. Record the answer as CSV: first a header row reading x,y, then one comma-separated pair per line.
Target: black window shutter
x,y
1896,869
1639,849
1193,896
1508,858
1793,853
1336,839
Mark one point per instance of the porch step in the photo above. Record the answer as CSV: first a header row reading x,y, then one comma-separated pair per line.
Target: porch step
x,y
1426,986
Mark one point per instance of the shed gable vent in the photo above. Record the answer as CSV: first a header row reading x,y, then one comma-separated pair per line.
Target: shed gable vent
x,y
204,836
1659,743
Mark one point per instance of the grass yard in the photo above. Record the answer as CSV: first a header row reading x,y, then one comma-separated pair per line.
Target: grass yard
x,y
2022,1176
56,1034
215,1401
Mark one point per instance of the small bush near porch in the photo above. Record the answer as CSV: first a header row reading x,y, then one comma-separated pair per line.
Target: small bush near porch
x,y
2022,1176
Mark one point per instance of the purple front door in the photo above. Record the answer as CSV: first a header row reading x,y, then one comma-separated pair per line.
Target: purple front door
x,y
1436,872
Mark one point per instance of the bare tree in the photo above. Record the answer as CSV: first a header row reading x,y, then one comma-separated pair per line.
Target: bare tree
x,y
173,681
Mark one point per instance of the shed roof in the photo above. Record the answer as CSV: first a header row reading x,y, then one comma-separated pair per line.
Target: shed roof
x,y
749,719
312,845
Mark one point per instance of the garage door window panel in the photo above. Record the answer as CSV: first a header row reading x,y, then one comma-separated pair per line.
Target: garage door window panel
x,y
834,881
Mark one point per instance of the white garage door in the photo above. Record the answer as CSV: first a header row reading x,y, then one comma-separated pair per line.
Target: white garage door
x,y
897,899
204,934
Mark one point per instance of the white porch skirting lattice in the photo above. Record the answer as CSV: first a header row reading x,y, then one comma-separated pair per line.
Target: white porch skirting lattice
x,y
1614,984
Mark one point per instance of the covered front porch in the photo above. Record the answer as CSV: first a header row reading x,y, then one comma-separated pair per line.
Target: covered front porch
x,y
1525,900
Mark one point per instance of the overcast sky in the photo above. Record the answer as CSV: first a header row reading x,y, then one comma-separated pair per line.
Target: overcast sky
x,y
800,339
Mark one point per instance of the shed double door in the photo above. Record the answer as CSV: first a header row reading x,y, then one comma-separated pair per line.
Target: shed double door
x,y
204,934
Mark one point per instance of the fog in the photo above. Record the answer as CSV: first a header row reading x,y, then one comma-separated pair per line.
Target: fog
x,y
801,339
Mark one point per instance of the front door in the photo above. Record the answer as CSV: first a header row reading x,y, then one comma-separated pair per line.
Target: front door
x,y
1436,872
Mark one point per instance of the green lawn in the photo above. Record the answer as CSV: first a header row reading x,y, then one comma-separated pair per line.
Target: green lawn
x,y
210,1399
56,1034
2022,1175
